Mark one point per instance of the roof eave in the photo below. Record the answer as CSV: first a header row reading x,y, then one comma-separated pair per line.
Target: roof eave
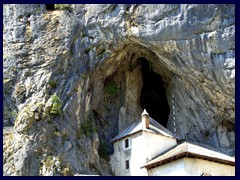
x,y
114,140
188,155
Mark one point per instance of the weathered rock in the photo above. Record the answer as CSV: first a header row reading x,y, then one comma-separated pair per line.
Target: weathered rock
x,y
93,57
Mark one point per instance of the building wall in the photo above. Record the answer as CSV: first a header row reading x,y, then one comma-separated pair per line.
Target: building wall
x,y
175,168
196,167
192,167
156,144
117,160
144,146
138,156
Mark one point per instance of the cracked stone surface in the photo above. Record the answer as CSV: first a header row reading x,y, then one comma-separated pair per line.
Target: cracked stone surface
x,y
89,57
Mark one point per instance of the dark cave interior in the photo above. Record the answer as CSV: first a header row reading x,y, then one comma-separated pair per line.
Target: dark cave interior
x,y
153,95
50,7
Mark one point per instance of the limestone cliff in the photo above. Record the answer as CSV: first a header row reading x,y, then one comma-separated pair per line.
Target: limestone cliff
x,y
76,75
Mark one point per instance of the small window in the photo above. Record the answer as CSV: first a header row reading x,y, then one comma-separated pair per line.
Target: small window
x,y
127,164
126,143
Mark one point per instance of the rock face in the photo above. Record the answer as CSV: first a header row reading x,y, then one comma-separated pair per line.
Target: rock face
x,y
77,75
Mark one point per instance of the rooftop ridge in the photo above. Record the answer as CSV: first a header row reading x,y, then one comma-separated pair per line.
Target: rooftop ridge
x,y
136,126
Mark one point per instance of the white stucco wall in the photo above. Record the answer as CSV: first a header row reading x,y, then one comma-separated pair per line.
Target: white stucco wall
x,y
117,160
192,167
138,156
175,168
144,146
156,144
196,167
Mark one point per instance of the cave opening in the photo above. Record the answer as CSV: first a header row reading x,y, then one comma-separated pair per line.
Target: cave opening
x,y
153,94
50,7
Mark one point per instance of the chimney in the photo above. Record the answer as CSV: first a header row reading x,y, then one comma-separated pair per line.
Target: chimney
x,y
145,119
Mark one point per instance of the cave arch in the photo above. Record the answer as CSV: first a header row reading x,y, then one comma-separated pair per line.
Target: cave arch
x,y
124,84
153,94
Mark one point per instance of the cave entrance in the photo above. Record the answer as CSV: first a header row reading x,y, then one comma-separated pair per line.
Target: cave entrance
x,y
153,95
50,7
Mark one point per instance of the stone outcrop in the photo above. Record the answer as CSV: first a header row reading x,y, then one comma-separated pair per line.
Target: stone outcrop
x,y
74,78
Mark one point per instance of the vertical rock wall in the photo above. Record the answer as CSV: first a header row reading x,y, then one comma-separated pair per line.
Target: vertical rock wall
x,y
72,79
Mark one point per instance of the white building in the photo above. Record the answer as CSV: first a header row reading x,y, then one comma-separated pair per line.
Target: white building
x,y
146,148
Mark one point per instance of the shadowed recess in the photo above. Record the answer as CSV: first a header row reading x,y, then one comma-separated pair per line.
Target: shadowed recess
x,y
153,95
50,7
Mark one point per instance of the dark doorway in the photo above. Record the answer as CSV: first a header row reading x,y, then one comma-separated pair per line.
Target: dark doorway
x,y
153,95
50,7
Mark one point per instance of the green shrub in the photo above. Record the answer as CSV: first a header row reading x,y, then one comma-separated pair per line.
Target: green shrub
x,y
56,105
64,137
53,83
80,133
67,171
56,133
86,128
111,88
6,80
64,7
14,114
49,161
